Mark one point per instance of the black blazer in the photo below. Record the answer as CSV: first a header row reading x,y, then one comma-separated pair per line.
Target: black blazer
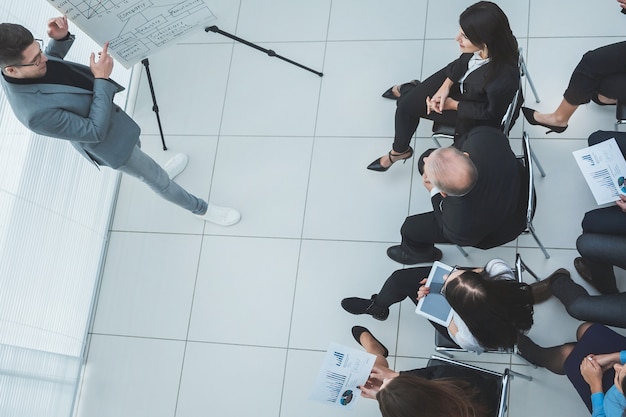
x,y
481,103
494,211
486,388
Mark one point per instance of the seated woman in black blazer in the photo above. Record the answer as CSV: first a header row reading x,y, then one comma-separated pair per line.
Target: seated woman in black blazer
x,y
476,89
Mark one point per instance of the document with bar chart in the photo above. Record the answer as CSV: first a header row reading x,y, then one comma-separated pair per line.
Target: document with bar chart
x,y
343,370
604,169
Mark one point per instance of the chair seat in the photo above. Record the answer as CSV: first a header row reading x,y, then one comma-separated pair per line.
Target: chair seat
x,y
441,129
445,342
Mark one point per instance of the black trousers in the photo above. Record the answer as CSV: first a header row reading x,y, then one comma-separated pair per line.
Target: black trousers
x,y
420,232
411,107
603,71
405,283
603,242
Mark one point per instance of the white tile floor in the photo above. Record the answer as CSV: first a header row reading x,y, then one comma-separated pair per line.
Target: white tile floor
x,y
196,319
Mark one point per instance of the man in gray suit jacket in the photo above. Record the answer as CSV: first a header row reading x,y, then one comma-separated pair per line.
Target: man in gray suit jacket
x,y
65,100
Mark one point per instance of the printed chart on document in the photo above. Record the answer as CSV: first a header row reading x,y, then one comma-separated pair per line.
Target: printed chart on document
x,y
136,29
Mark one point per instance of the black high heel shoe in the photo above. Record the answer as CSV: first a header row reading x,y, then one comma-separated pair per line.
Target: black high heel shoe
x,y
377,166
402,89
529,114
357,331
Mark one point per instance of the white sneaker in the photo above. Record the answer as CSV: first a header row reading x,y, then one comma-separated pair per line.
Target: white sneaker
x,y
223,216
176,165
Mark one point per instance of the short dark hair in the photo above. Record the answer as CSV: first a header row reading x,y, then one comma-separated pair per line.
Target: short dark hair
x,y
496,311
14,39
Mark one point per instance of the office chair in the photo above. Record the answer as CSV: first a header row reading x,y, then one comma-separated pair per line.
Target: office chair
x,y
502,379
445,345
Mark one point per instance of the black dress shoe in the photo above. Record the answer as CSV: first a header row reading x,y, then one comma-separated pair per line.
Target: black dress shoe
x,y
377,166
401,256
357,331
354,305
583,270
529,114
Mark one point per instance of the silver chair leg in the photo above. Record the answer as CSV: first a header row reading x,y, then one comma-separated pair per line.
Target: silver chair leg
x,y
462,251
527,269
543,249
436,141
445,353
539,167
517,374
530,81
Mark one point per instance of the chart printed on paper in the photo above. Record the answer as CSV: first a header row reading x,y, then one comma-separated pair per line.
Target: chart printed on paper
x,y
136,29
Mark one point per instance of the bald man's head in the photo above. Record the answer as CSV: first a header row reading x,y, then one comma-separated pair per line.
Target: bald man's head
x,y
451,170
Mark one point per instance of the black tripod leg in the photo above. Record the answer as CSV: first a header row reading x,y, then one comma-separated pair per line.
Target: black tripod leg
x,y
155,106
269,52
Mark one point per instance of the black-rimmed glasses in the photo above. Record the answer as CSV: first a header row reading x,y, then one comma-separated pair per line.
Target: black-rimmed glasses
x,y
36,61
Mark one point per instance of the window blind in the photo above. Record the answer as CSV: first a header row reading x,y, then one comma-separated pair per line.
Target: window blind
x,y
55,209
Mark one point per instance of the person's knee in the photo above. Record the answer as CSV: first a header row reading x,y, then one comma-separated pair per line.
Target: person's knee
x,y
582,329
407,110
582,244
160,183
588,62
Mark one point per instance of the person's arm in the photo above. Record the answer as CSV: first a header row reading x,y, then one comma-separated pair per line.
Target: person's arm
x,y
60,38
607,360
377,376
499,91
591,372
64,124
457,68
440,100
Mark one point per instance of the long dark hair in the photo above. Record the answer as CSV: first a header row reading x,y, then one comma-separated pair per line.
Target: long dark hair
x,y
412,396
485,24
495,311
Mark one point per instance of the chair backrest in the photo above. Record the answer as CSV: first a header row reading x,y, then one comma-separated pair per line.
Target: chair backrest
x,y
501,380
513,111
530,172
520,267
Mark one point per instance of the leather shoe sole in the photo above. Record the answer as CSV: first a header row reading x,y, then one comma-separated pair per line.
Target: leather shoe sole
x,y
399,255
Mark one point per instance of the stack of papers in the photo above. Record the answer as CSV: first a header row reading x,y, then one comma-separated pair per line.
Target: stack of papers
x,y
604,169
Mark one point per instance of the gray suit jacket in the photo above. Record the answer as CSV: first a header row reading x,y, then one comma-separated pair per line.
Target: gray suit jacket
x,y
95,126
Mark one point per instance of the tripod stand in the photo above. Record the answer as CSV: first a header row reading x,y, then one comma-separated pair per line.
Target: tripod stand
x,y
269,52
155,106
